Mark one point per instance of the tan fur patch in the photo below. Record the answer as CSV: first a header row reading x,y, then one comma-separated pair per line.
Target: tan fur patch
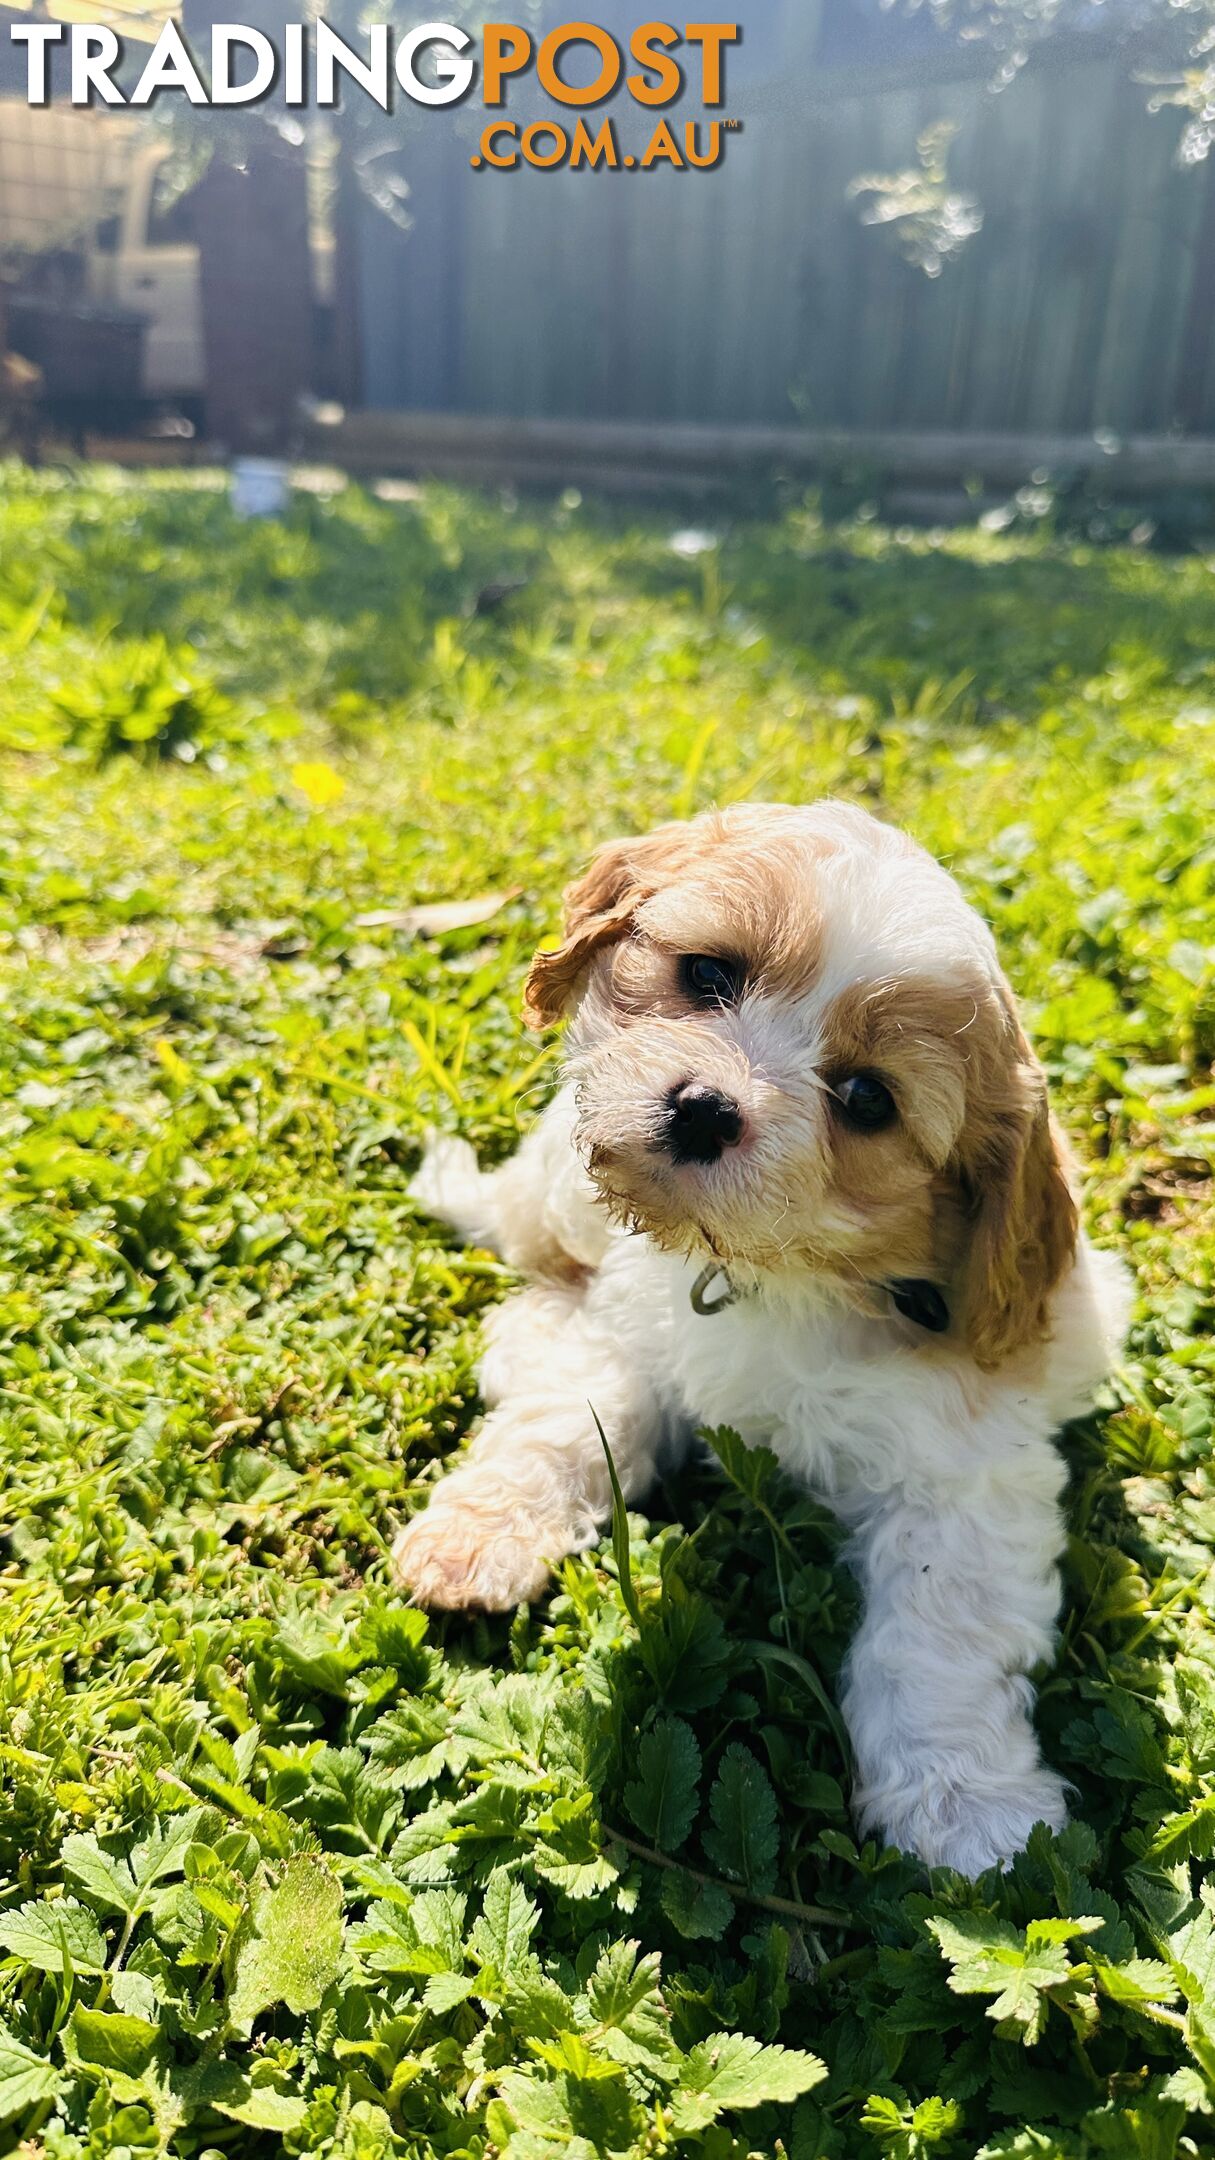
x,y
599,908
972,1097
920,1036
1015,1164
732,884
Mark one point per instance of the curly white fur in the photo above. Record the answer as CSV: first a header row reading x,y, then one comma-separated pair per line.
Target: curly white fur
x,y
943,1471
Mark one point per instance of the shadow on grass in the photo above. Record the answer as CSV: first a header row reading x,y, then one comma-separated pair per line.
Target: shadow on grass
x,y
872,616
345,594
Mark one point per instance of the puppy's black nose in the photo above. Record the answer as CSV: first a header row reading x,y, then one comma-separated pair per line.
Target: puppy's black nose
x,y
700,1122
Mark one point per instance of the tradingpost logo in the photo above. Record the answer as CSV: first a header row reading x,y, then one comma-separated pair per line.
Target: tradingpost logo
x,y
576,67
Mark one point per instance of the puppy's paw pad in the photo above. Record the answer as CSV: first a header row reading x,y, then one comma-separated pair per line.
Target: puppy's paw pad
x,y
451,1562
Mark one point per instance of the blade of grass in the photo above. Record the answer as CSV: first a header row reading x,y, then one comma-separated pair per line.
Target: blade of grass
x,y
431,1064
620,1530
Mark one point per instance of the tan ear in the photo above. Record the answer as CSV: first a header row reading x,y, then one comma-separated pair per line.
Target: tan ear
x,y
599,908
1016,1169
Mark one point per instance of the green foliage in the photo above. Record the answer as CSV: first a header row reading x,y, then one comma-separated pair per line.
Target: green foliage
x,y
743,1838
909,2133
1026,1970
288,1868
1178,36
294,1948
142,697
928,220
662,1799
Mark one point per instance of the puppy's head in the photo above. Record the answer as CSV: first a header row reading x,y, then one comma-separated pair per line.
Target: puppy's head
x,y
793,1048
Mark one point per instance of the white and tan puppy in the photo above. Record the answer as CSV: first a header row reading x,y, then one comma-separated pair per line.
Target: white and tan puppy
x,y
801,1179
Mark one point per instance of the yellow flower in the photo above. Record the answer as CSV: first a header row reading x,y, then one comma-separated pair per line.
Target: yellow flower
x,y
320,783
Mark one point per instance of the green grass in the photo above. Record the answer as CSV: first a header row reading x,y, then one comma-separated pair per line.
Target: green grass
x,y
284,1869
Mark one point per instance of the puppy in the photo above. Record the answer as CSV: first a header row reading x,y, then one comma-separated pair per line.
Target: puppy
x,y
802,1180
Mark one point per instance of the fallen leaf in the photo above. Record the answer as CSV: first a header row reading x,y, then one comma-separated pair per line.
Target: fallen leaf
x,y
434,918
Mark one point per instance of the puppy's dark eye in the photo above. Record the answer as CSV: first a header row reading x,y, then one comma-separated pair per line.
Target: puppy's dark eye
x,y
708,980
866,1102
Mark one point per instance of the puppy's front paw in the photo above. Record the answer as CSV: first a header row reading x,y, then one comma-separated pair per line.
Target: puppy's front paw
x,y
973,1824
448,1181
467,1555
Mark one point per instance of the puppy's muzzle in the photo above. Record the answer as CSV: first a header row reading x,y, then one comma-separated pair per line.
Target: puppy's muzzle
x,y
699,1124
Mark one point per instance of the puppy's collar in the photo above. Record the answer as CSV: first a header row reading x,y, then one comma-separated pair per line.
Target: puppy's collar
x,y
917,1301
728,1294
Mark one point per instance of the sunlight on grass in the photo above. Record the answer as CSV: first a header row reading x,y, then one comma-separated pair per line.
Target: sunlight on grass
x,y
288,1869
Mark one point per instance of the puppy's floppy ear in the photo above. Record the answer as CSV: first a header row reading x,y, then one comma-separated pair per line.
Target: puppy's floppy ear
x,y
1015,1169
599,907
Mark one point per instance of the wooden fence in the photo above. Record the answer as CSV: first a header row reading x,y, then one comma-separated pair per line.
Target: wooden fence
x,y
677,455
753,294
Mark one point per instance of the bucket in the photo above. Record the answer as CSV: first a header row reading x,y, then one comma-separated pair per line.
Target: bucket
x,y
260,487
